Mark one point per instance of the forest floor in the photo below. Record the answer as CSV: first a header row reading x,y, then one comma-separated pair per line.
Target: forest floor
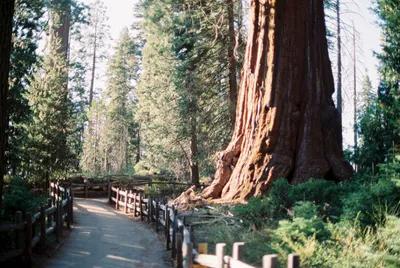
x,y
104,237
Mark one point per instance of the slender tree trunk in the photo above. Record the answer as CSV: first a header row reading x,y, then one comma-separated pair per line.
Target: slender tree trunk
x,y
138,146
286,122
355,94
6,23
194,166
232,59
93,70
339,100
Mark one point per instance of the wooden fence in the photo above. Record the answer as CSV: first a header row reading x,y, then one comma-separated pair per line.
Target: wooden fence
x,y
89,188
180,237
34,231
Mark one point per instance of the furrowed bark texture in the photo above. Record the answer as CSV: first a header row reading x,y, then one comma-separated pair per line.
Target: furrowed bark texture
x,y
286,122
6,19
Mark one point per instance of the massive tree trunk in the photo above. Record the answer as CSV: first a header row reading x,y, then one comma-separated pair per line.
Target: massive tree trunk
x,y
232,58
60,24
286,122
6,19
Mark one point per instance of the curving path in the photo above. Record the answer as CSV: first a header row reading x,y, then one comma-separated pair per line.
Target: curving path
x,y
103,237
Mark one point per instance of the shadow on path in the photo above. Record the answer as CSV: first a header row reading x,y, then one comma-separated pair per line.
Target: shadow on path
x,y
103,237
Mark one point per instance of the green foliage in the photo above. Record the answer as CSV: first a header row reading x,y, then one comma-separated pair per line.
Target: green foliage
x,y
51,122
373,200
351,224
326,195
164,190
113,137
305,224
27,27
183,95
18,197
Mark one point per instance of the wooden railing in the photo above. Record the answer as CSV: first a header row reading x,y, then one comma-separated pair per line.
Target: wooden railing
x,y
180,236
89,188
37,227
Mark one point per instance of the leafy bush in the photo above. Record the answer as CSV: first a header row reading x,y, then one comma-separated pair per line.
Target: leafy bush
x,y
18,197
371,202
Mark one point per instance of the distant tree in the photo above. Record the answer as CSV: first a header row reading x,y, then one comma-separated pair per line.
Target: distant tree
x,y
379,123
97,34
117,129
368,96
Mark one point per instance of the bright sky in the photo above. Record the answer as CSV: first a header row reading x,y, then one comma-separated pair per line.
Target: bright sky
x,y
120,13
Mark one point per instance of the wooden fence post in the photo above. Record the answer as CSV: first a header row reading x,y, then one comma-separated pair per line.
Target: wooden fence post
x,y
58,192
174,229
157,214
18,220
49,220
42,229
293,261
141,206
191,233
126,202
68,212
237,252
130,201
28,240
117,200
109,192
187,253
270,261
86,189
220,252
179,241
202,248
149,201
134,205
167,226
72,207
57,216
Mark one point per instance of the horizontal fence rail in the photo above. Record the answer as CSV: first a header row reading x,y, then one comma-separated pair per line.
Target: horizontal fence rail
x,y
179,237
37,227
88,188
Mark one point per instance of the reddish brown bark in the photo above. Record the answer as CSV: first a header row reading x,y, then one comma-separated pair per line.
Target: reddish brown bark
x,y
232,59
60,24
6,18
286,122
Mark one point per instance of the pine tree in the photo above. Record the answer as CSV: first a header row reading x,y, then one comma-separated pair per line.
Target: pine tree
x,y
158,109
114,131
367,96
51,126
27,27
189,37
97,32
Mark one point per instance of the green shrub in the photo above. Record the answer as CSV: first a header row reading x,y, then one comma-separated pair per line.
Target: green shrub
x,y
371,202
327,195
18,197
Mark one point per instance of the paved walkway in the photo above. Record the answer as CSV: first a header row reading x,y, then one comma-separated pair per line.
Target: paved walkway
x,y
103,237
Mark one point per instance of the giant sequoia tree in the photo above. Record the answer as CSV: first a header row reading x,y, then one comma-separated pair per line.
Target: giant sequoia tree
x,y
286,122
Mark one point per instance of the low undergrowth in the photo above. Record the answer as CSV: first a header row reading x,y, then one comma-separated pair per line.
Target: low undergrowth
x,y
352,224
